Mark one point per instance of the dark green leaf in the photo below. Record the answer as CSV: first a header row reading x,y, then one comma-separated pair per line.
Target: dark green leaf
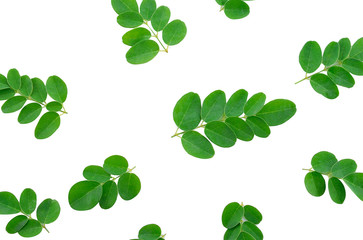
x,y
96,173
29,113
258,126
129,186
54,106
253,230
142,52
28,201
240,128
13,104
187,111
221,2
345,47
355,183
310,57
14,79
47,125
323,162
277,112
8,203
343,168
213,106
331,54
233,233
31,229
353,66
252,214
323,85
85,195
6,94
130,19
236,103
135,36
150,232
109,195
357,50
220,134
147,9
48,211
116,165
232,215
197,145
245,236
174,32
26,86
57,89
315,184
236,9
255,104
341,77
336,190
3,82
39,93
121,6
16,224
160,18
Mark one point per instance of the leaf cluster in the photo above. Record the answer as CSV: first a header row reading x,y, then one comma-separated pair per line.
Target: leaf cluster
x,y
340,60
226,121
100,186
24,224
156,19
241,222
150,232
235,9
325,163
17,90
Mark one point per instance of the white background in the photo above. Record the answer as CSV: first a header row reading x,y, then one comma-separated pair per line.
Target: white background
x,y
117,108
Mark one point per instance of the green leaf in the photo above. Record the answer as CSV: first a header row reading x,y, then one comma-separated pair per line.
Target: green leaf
x,y
26,86
54,106
116,165
353,66
135,36
13,104
187,112
47,125
142,52
258,126
345,47
232,215
245,236
29,113
341,77
310,57
121,6
255,104
213,106
236,9
48,211
160,18
355,183
14,79
96,173
222,2
252,214
240,128
174,32
31,229
233,233
220,134
28,201
150,232
343,168
323,161
130,19
16,224
6,94
129,186
57,89
323,85
315,184
147,9
85,195
253,230
236,103
331,54
3,82
197,145
109,195
277,112
39,93
8,203
357,50
336,190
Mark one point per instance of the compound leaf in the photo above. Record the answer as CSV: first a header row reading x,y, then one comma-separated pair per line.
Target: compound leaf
x,y
109,195
323,161
174,32
116,165
47,125
236,103
220,134
57,89
130,19
26,88
323,85
232,215
236,9
39,93
14,79
252,214
331,54
48,211
135,36
85,195
277,112
253,230
160,18
197,145
341,77
28,201
16,224
355,183
345,47
310,57
213,106
150,232
121,6
96,173
142,52
254,104
353,66
233,233
336,190
357,50
343,168
13,104
129,186
147,9
315,184
187,111
258,126
240,128
29,113
31,229
8,203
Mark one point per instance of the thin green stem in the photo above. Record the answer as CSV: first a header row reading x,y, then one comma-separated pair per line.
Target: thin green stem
x,y
46,229
131,169
222,8
310,169
177,134
157,37
308,77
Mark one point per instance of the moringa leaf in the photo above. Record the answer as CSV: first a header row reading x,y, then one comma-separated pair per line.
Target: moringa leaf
x,y
310,57
135,36
142,52
47,125
3,82
353,66
31,229
232,215
48,211
345,47
187,112
253,230
341,77
254,104
277,112
355,183
6,94
13,104
129,186
14,79
28,201
197,145
130,19
116,165
109,195
236,9
174,32
220,134
121,6
160,18
240,128
233,233
147,9
258,126
331,54
323,161
54,106
213,106
29,113
16,224
96,173
357,50
245,236
323,85
8,203
26,88
39,93
252,214
343,168
150,232
236,103
336,190
315,184
57,89
85,195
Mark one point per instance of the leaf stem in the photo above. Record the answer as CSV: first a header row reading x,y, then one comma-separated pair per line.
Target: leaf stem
x,y
310,169
131,169
46,229
308,77
156,36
